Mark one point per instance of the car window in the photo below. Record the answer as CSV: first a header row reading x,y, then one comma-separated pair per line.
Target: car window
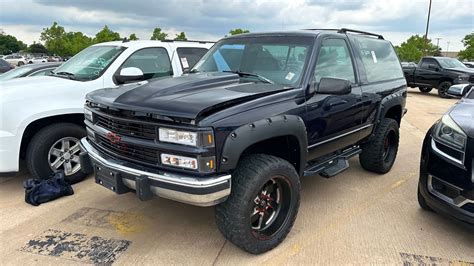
x,y
153,62
379,59
42,72
189,56
15,73
8,57
4,63
428,61
334,61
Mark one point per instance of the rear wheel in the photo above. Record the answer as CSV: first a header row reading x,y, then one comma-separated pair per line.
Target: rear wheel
x,y
425,89
379,154
263,203
56,148
20,63
443,89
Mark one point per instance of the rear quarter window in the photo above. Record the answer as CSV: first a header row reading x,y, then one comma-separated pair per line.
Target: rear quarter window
x,y
379,58
189,56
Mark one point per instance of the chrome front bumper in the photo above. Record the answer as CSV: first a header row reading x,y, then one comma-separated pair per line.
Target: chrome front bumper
x,y
187,189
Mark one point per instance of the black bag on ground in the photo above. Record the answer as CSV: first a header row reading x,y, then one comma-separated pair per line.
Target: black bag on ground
x,y
43,190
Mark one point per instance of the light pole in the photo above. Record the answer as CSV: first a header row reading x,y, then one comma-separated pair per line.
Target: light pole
x,y
427,26
437,42
447,49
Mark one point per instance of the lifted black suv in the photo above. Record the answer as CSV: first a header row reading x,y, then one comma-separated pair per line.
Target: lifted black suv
x,y
258,112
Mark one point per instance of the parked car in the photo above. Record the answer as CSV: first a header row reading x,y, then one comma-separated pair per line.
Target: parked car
x,y
38,59
469,64
259,111
447,162
439,73
5,66
30,70
47,133
408,64
15,60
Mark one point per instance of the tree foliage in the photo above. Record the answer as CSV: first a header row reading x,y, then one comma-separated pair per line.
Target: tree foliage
x,y
9,44
468,52
181,37
158,35
106,35
133,37
37,48
412,49
238,31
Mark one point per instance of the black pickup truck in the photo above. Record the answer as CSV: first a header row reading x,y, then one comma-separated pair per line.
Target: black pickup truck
x,y
439,73
255,114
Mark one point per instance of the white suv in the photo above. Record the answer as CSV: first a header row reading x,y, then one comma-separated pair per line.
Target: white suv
x,y
41,118
15,60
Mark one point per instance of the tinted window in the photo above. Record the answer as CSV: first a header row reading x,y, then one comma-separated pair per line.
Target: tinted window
x,y
334,61
428,61
42,72
4,63
379,59
189,56
153,62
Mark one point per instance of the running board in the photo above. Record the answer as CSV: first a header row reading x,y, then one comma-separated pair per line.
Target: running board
x,y
334,165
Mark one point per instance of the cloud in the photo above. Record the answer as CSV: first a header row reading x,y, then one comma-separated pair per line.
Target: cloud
x,y
212,19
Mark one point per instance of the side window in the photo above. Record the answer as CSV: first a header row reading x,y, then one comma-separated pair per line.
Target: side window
x,y
42,72
334,61
379,59
153,62
189,56
426,62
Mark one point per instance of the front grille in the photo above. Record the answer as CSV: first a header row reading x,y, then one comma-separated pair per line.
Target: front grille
x,y
126,128
128,151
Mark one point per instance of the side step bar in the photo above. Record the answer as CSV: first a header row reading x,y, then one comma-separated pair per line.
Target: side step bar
x,y
333,165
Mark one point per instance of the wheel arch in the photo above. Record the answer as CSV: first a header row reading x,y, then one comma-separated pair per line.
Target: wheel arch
x,y
267,136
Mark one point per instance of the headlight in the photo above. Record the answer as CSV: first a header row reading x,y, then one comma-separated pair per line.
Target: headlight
x,y
179,161
449,133
201,139
463,77
88,114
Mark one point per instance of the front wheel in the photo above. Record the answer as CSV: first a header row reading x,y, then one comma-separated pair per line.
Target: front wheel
x,y
425,89
443,89
379,154
263,203
20,63
56,148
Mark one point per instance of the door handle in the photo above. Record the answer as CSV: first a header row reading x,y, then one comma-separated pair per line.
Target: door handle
x,y
330,105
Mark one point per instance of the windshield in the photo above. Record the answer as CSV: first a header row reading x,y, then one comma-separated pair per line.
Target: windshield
x,y
15,73
277,59
450,63
90,63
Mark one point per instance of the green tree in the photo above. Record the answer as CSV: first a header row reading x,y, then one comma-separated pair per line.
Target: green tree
x,y
76,42
133,37
468,52
54,39
9,44
106,35
238,31
37,48
158,35
181,37
412,49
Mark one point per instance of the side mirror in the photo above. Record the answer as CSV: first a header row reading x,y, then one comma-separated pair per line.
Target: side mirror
x,y
128,74
457,90
334,86
433,67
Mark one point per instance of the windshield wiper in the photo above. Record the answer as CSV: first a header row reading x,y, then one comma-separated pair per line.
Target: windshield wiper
x,y
242,74
64,73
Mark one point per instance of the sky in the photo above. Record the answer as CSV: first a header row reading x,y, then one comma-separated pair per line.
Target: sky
x,y
210,20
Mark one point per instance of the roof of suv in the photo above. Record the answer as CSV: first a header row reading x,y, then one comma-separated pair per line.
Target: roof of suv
x,y
147,43
308,32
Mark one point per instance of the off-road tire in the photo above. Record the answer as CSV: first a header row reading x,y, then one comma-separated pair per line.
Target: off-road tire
x,y
232,216
373,156
425,89
443,89
40,144
422,202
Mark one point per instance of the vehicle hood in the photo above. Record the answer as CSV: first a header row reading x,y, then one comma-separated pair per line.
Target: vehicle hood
x,y
463,114
190,96
30,86
462,70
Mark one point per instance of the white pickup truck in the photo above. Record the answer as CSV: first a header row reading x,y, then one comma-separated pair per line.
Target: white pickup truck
x,y
41,118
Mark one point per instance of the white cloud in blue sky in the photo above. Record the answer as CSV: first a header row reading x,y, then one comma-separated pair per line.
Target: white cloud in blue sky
x,y
212,19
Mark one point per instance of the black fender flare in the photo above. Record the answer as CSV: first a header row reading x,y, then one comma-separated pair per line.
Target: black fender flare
x,y
252,133
395,99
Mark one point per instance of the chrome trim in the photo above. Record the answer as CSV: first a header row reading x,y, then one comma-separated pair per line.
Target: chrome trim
x,y
447,156
184,181
459,201
340,136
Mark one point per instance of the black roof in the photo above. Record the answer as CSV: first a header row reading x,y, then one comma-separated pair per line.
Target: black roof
x,y
306,32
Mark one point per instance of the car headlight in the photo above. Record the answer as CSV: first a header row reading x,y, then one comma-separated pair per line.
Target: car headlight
x,y
463,77
179,161
449,133
88,114
201,139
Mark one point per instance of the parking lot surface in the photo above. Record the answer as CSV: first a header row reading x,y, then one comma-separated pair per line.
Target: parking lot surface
x,y
356,217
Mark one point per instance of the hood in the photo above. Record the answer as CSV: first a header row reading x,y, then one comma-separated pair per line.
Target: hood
x,y
463,114
34,85
191,96
462,70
